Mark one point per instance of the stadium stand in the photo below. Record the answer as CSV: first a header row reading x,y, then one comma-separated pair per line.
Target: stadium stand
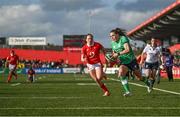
x,y
164,26
73,58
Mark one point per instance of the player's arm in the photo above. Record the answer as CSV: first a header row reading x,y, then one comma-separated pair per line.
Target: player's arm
x,y
83,56
104,53
7,62
143,56
162,60
126,50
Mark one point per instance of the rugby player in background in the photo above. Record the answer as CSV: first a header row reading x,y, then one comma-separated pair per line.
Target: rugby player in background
x,y
31,75
11,62
151,63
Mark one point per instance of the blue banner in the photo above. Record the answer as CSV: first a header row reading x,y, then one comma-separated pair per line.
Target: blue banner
x,y
45,71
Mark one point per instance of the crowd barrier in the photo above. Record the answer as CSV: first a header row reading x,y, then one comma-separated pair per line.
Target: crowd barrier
x,y
176,71
38,71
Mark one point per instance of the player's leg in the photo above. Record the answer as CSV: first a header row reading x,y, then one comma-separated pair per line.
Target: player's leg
x,y
133,66
152,78
99,76
132,75
150,73
33,79
158,76
94,77
11,68
14,73
169,73
153,71
124,79
9,77
140,77
104,73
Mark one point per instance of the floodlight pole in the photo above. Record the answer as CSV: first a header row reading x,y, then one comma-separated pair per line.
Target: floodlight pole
x,y
89,14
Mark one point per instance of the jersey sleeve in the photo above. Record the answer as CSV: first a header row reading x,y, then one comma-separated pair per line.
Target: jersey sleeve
x,y
100,45
8,58
124,40
83,50
160,51
17,58
145,49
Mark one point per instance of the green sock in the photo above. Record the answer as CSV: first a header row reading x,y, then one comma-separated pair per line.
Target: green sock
x,y
152,81
145,80
132,78
125,84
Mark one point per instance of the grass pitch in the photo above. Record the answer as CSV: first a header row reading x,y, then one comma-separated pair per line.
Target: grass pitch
x,y
78,95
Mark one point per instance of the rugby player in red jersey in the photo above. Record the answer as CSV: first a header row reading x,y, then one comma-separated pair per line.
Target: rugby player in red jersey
x,y
91,55
11,62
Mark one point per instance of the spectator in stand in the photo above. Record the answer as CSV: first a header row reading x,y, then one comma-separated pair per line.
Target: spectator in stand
x,y
167,62
12,62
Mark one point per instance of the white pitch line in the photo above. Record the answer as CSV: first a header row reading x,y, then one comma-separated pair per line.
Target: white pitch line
x,y
15,84
86,84
95,108
162,90
41,97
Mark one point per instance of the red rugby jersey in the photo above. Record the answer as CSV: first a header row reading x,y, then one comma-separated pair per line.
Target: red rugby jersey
x,y
92,53
13,59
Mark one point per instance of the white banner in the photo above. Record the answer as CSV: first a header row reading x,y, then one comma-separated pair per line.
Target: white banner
x,y
27,40
111,70
77,70
71,70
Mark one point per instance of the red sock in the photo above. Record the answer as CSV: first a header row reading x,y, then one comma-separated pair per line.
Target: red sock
x,y
104,88
9,78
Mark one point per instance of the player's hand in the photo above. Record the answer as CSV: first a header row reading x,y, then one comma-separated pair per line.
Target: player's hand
x,y
114,55
6,66
141,64
105,68
162,67
84,59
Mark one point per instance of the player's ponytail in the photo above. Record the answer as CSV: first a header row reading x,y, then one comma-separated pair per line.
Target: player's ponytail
x,y
119,31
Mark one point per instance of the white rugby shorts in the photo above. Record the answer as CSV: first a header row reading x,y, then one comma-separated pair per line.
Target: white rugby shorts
x,y
11,67
93,66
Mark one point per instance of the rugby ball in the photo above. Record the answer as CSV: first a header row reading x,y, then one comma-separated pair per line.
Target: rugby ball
x,y
109,58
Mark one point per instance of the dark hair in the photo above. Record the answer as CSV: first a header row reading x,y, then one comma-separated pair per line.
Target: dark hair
x,y
12,51
168,50
89,34
121,32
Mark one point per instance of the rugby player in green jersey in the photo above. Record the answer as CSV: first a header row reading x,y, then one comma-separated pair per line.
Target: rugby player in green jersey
x,y
122,50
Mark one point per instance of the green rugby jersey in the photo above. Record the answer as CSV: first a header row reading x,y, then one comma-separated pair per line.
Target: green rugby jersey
x,y
119,46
